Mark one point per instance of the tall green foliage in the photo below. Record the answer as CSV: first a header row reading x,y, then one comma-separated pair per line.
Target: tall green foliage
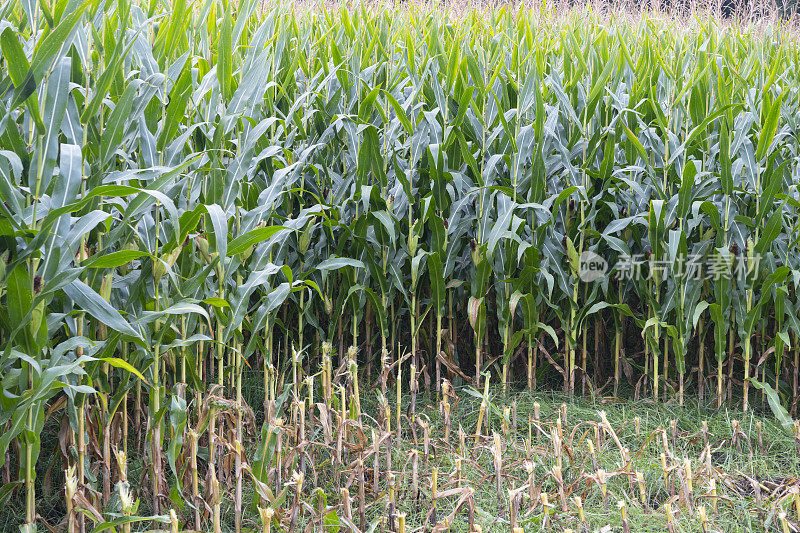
x,y
190,186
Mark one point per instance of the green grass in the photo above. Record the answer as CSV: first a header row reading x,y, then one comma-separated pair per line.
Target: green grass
x,y
777,464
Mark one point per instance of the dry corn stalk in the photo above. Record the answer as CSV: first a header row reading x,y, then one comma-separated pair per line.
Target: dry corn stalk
x,y
445,410
701,512
602,481
483,407
687,472
434,492
670,517
545,510
497,452
579,505
530,469
592,456
173,521
642,489
712,490
266,518
626,528
562,496
347,506
610,430
398,427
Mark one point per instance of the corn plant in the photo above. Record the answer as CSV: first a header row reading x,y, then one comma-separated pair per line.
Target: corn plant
x,y
194,194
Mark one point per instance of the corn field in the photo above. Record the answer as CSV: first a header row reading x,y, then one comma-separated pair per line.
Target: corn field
x,y
216,215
